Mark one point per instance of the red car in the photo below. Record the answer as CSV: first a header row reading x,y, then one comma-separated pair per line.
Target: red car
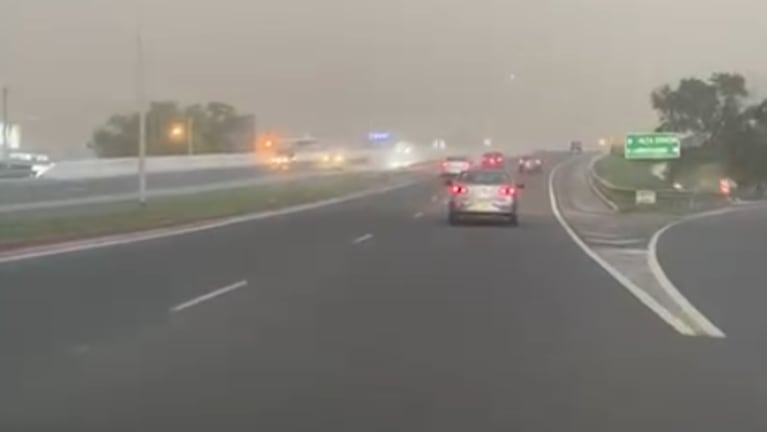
x,y
493,160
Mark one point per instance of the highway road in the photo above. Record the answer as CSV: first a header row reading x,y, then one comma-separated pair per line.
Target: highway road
x,y
719,262
372,315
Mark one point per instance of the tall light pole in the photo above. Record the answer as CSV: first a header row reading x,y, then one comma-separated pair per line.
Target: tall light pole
x,y
190,135
6,144
140,104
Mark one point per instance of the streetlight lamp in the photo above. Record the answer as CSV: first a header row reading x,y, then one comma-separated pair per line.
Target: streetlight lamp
x,y
176,131
185,131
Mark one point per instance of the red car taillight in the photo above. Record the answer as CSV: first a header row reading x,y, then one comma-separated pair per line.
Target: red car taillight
x,y
457,189
508,191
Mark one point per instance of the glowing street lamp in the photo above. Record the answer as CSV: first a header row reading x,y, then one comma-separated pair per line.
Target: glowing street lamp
x,y
177,131
183,131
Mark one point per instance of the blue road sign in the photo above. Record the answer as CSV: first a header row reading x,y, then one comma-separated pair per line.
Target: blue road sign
x,y
379,137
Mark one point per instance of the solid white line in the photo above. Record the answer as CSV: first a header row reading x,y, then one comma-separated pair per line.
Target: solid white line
x,y
211,295
679,325
615,242
657,270
362,238
121,239
602,235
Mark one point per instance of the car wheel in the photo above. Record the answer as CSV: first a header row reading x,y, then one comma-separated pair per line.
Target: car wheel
x,y
513,220
452,218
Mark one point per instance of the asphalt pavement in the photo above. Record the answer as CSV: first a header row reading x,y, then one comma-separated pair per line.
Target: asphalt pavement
x,y
719,263
372,315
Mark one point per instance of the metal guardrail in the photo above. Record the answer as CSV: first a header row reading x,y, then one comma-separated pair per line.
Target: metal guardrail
x,y
624,198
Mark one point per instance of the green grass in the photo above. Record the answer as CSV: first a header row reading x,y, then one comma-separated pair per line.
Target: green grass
x,y
629,174
703,178
19,232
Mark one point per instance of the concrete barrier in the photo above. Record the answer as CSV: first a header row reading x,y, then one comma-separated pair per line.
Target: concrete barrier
x,y
116,167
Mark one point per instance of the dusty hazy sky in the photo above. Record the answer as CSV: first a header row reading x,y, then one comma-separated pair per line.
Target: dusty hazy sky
x,y
340,67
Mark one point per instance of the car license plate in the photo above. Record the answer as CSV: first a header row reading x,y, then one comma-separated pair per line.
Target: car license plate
x,y
483,207
485,192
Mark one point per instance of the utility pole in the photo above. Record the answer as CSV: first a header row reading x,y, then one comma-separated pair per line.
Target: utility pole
x,y
190,135
6,144
140,105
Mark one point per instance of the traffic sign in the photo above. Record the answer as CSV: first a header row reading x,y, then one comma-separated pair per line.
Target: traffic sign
x,y
652,146
645,197
379,137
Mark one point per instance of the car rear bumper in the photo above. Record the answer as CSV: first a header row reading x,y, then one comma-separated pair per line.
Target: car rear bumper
x,y
448,174
479,214
467,209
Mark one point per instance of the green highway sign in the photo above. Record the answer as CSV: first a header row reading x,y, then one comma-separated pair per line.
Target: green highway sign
x,y
652,146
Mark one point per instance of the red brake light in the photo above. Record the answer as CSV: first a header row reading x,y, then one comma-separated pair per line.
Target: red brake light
x,y
508,191
457,189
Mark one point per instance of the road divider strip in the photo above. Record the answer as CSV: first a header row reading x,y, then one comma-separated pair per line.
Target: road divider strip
x,y
678,324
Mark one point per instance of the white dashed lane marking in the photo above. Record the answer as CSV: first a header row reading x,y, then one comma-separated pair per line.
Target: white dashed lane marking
x,y
362,238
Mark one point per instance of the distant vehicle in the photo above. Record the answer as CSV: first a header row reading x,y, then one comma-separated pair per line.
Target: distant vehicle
x,y
20,165
576,147
334,159
484,194
282,160
452,166
401,156
493,160
529,164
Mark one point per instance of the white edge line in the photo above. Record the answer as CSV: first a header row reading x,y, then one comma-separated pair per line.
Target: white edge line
x,y
363,238
604,235
209,296
616,242
104,242
418,215
590,178
678,325
665,282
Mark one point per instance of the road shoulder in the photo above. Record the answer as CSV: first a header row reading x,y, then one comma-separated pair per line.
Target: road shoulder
x,y
620,244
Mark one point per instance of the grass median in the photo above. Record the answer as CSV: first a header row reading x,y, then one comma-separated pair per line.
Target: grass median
x,y
699,185
17,231
629,174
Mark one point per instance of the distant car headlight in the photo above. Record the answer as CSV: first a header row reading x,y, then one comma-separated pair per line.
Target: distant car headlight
x,y
340,158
